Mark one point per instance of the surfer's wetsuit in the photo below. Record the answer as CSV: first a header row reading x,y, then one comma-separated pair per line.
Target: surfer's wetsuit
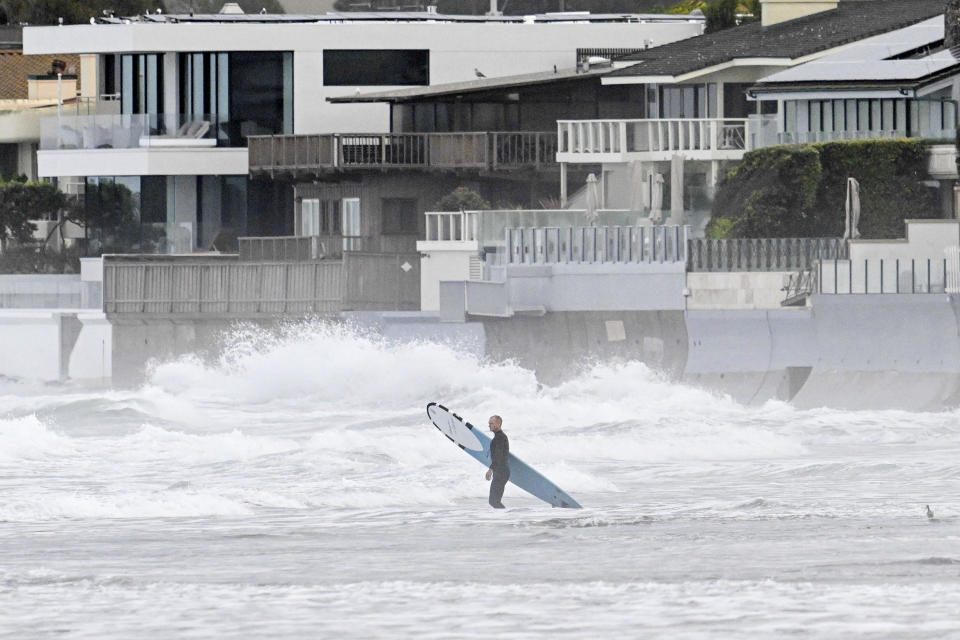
x,y
499,448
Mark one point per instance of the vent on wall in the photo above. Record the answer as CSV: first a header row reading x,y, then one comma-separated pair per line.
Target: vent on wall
x,y
476,268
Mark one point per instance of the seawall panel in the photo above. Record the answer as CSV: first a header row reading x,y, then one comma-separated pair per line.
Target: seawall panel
x,y
752,355
884,352
559,345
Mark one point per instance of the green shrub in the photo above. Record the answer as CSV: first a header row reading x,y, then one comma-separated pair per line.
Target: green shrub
x,y
462,199
800,191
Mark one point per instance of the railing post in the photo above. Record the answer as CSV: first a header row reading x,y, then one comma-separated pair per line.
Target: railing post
x,y
714,134
623,137
494,142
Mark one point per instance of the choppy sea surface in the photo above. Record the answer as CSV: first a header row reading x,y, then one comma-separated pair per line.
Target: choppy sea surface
x,y
295,488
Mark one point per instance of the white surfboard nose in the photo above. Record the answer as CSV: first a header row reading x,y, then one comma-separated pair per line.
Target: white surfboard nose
x,y
462,434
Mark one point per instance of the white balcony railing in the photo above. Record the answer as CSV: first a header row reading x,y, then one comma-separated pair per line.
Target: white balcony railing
x,y
452,226
620,137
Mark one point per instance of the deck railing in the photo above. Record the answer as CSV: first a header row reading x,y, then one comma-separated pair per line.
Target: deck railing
x,y
762,254
604,137
492,151
452,226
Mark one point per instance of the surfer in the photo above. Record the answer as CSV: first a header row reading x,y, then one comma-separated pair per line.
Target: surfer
x,y
499,471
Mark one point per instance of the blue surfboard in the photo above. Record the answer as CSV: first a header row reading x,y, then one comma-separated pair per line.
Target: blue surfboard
x,y
477,445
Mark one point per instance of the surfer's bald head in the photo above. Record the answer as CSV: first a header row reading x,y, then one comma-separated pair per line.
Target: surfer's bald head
x,y
495,423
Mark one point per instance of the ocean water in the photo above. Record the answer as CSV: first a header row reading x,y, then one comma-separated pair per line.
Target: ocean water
x,y
296,489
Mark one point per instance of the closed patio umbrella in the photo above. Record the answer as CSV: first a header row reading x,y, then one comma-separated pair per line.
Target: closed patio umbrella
x,y
852,206
638,187
592,199
656,198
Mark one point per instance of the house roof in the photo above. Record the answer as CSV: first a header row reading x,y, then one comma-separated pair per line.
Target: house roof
x,y
851,21
16,67
396,16
905,55
472,86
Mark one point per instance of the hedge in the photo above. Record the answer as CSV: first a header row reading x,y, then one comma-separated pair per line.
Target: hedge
x,y
800,190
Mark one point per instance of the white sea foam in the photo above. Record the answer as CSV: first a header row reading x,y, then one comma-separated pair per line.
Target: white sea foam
x,y
296,488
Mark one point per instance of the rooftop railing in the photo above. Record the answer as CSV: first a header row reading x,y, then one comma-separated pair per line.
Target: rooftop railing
x,y
491,151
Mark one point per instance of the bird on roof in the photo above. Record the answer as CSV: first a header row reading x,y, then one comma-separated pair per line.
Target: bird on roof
x,y
929,512
479,73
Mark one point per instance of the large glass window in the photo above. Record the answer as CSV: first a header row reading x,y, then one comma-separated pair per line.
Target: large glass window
x,y
125,214
242,93
141,83
372,67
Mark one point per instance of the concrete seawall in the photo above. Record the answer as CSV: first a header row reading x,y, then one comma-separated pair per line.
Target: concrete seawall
x,y
558,345
844,351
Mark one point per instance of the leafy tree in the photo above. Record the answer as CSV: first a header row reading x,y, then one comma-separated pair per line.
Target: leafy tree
x,y
721,14
21,202
799,191
112,219
768,195
72,11
462,199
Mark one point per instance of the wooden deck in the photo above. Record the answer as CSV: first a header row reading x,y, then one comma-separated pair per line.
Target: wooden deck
x,y
302,155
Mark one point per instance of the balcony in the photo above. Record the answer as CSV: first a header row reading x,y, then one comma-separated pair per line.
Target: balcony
x,y
590,141
137,144
306,155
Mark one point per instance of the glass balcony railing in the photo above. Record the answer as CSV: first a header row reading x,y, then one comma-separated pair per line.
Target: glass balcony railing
x,y
132,131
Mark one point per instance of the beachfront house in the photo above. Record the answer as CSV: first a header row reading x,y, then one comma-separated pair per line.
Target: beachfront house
x,y
701,106
192,89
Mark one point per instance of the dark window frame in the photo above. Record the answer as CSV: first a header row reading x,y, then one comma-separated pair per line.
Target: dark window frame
x,y
376,67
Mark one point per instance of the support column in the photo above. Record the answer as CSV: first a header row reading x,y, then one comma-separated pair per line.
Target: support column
x,y
171,91
563,184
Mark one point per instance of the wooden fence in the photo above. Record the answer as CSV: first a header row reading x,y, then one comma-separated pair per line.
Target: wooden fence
x,y
228,287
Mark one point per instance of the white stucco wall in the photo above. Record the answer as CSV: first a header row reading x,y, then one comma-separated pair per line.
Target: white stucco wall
x,y
30,344
456,49
736,290
92,354
32,348
442,261
924,239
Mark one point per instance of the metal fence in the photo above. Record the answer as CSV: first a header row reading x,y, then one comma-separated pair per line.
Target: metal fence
x,y
762,254
224,286
611,244
884,276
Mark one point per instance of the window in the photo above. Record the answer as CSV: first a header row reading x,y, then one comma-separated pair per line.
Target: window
x,y
310,217
352,241
242,93
399,215
141,83
371,67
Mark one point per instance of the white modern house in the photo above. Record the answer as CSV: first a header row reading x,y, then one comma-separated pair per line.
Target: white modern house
x,y
192,88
